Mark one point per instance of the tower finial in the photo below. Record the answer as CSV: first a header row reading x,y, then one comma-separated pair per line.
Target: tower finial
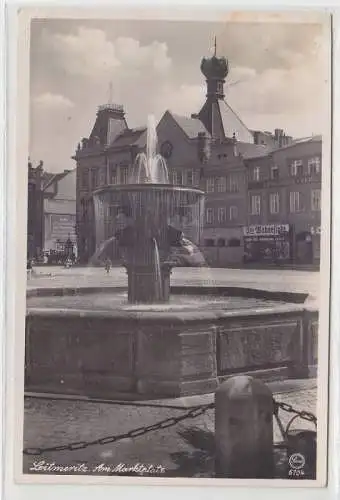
x,y
215,46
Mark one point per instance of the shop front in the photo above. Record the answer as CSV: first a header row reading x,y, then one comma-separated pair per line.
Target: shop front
x,y
316,241
307,245
270,243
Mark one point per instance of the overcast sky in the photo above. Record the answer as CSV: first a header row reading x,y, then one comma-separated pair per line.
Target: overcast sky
x,y
276,78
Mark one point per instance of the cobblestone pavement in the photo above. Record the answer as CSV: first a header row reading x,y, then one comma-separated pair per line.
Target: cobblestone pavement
x,y
183,450
272,280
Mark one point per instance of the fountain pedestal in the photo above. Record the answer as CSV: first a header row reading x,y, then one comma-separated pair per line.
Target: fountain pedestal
x,y
144,288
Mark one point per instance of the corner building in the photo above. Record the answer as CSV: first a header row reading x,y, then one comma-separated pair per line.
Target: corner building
x,y
284,204
206,150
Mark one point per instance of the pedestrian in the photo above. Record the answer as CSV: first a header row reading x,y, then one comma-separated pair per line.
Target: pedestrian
x,y
29,268
68,263
108,264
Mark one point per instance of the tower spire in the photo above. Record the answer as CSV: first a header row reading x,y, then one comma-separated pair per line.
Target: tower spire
x,y
110,100
215,45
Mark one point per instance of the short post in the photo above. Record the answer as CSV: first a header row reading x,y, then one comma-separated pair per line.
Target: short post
x,y
244,429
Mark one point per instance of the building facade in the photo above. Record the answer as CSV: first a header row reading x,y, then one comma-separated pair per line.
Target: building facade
x,y
35,210
60,212
206,150
284,204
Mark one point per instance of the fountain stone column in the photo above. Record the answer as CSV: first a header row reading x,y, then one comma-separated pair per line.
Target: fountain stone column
x,y
146,247
143,287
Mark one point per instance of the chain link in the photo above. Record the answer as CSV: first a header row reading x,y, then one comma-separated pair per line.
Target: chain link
x,y
163,424
305,415
140,431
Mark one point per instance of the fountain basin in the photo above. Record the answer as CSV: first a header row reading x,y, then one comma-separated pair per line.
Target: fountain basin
x,y
130,351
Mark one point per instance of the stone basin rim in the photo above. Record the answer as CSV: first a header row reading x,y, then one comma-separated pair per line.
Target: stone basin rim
x,y
149,186
169,316
242,292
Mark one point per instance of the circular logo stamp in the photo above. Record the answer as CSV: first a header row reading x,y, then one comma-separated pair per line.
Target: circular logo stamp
x,y
296,461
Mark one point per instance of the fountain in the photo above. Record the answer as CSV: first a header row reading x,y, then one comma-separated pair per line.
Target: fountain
x,y
150,343
147,223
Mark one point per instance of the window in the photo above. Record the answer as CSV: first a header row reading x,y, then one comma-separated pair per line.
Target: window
x,y
112,174
219,87
221,184
233,183
112,210
124,173
102,176
296,168
274,203
221,214
209,215
210,185
85,178
233,212
316,199
234,242
256,204
295,201
190,178
209,243
256,174
178,178
94,178
196,180
314,165
274,173
221,242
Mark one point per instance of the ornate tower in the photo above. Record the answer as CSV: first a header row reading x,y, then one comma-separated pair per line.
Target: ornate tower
x,y
215,69
219,119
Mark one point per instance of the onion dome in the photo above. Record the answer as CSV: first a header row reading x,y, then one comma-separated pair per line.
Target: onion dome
x,y
215,67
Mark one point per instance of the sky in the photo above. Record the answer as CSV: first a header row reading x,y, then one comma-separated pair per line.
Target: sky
x,y
276,77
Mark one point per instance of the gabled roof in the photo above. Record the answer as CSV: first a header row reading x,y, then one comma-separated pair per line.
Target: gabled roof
x,y
114,129
53,178
232,123
46,177
128,137
303,140
313,138
190,126
222,122
249,151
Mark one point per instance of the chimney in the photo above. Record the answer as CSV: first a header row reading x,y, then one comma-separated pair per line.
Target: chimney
x,y
203,147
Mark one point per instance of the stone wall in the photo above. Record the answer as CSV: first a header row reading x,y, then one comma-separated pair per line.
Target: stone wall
x,y
165,354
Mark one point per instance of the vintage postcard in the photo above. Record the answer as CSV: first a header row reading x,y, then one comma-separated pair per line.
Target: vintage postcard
x,y
173,177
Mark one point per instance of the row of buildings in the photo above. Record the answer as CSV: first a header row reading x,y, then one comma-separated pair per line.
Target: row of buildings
x,y
51,213
263,190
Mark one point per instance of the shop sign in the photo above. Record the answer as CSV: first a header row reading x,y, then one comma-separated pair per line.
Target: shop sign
x,y
266,230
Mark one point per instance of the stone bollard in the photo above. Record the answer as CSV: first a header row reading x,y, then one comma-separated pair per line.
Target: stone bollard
x,y
244,429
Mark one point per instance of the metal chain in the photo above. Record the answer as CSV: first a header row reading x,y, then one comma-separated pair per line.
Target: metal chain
x,y
305,415
140,431
163,424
